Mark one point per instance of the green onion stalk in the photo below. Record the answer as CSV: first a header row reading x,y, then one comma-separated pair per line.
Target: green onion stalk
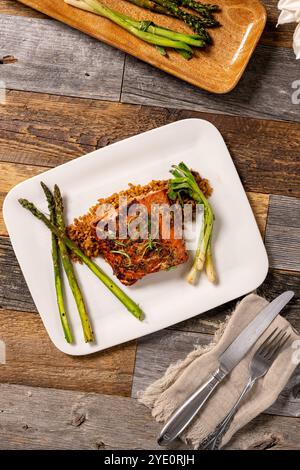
x,y
184,184
130,305
145,30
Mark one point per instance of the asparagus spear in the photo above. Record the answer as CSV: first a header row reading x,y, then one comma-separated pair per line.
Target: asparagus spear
x,y
204,9
150,5
195,22
184,182
69,270
96,7
56,267
131,306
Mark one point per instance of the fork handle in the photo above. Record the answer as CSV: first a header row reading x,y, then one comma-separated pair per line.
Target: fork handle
x,y
214,440
189,409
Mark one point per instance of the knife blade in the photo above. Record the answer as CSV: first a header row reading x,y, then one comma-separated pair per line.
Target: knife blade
x,y
227,360
248,337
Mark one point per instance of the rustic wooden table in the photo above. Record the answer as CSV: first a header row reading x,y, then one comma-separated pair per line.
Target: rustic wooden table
x,y
67,95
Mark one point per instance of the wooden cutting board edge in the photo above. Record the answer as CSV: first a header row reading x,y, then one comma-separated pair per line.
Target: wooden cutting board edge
x,y
128,48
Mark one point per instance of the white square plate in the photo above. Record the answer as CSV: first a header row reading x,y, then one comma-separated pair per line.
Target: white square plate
x,y
166,297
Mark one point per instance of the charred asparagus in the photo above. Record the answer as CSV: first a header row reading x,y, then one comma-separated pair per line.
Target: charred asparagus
x,y
131,306
56,267
69,270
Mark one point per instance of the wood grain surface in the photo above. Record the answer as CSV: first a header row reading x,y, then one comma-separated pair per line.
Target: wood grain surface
x,y
32,359
281,36
39,418
39,129
216,69
267,94
142,83
275,283
283,233
12,7
74,65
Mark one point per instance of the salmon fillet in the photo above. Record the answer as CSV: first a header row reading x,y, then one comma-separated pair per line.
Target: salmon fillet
x,y
130,259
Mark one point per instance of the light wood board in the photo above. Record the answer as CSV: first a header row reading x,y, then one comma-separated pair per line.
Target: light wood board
x,y
217,69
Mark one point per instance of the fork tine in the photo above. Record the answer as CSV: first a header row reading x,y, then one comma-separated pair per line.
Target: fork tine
x,y
274,344
280,346
266,342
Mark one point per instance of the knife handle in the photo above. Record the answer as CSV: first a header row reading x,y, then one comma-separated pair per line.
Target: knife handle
x,y
189,409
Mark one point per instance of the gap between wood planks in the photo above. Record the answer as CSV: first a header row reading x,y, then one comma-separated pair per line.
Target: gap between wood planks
x,y
32,359
41,418
48,130
272,36
95,70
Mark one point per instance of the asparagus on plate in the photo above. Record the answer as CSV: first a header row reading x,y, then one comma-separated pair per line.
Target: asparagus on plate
x,y
131,306
69,270
56,267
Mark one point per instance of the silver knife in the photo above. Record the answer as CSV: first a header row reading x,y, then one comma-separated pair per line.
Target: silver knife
x,y
227,360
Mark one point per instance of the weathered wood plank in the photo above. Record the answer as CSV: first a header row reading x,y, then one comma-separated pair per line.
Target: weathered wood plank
x,y
273,36
284,211
32,359
11,175
281,36
283,233
37,418
260,204
45,130
268,433
53,58
14,293
288,403
265,91
275,283
157,351
95,70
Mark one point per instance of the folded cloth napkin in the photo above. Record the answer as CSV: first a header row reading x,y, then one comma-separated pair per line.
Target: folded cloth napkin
x,y
181,379
290,13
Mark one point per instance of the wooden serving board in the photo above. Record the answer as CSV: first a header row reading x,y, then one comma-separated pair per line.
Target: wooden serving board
x,y
218,68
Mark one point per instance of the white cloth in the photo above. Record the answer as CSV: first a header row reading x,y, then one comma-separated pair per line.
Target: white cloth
x,y
290,13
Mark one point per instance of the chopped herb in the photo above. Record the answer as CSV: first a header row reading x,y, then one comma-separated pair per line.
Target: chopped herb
x,y
119,252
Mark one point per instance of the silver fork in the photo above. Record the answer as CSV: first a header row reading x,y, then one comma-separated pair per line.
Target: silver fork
x,y
260,364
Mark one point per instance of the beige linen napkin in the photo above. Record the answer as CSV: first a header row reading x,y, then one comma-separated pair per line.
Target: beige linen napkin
x,y
180,380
